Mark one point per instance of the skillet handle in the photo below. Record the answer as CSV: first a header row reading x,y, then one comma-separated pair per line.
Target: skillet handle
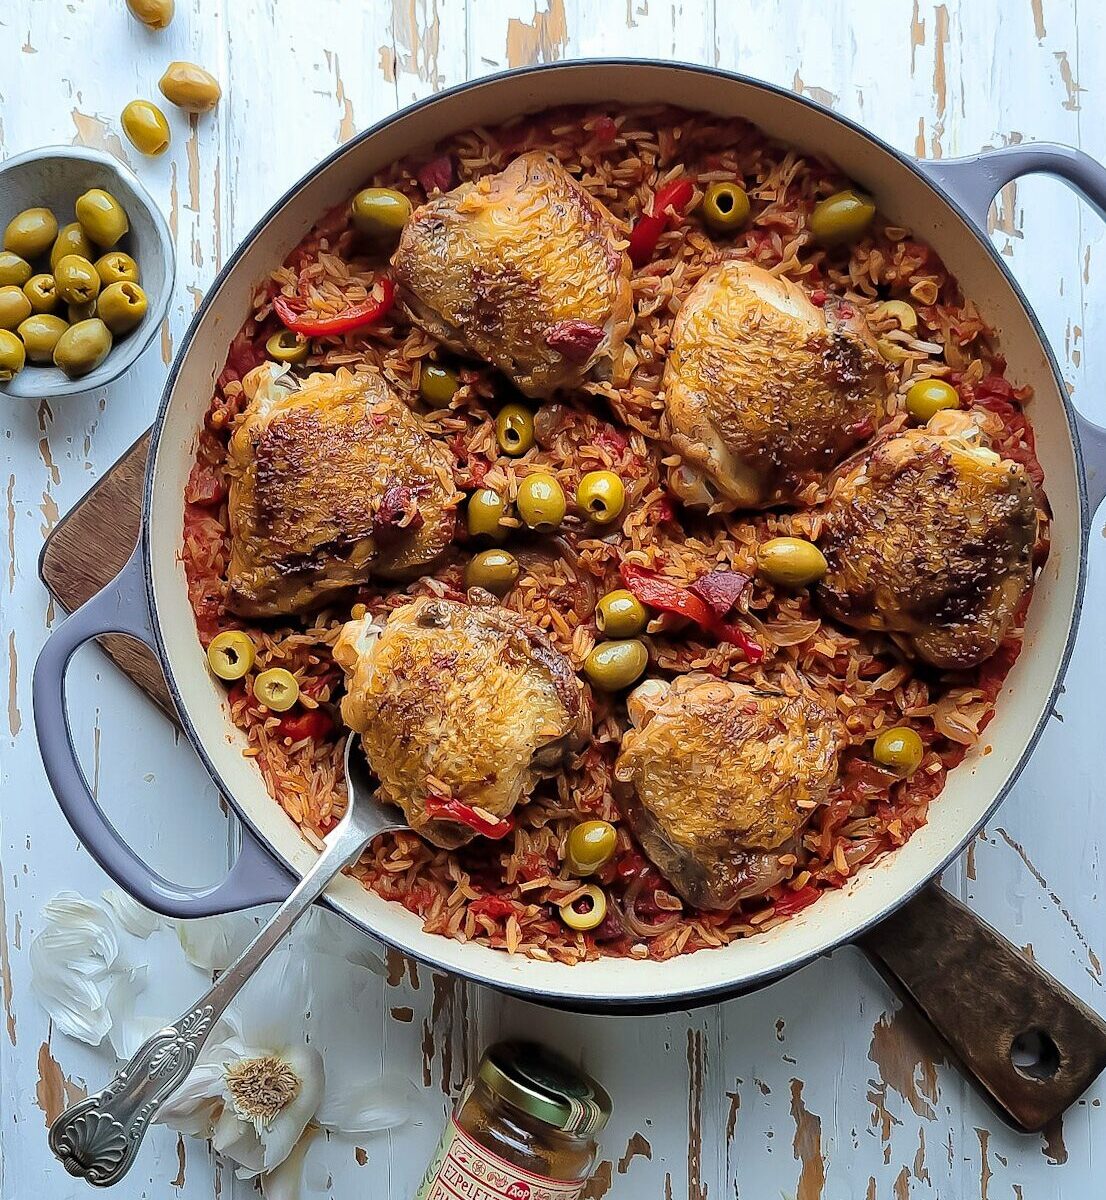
x,y
122,607
1030,1045
974,182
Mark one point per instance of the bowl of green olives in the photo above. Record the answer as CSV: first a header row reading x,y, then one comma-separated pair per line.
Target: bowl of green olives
x,y
86,271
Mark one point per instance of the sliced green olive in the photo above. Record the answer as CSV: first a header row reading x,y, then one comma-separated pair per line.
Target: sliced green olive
x,y
899,749
230,654
277,689
102,217
13,355
42,292
380,212
493,570
14,306
13,269
438,385
725,207
620,614
117,267
71,239
484,517
31,233
287,346
601,496
612,666
930,396
590,845
842,218
82,348
190,87
514,429
541,501
40,334
146,127
590,914
76,280
121,307
791,562
904,314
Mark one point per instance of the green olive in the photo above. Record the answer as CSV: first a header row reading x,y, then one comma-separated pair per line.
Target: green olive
x,y
287,346
592,913
725,207
190,87
117,267
601,496
612,666
438,385
230,654
76,280
31,233
590,845
121,307
42,292
484,517
620,614
40,334
12,355
80,312
493,570
791,562
13,269
514,429
277,689
14,306
102,217
146,127
842,218
929,396
900,749
380,212
70,240
541,501
154,14
904,314
82,348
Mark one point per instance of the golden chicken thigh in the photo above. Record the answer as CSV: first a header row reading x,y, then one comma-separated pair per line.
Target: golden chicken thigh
x,y
931,534
523,269
720,778
764,391
458,702
333,479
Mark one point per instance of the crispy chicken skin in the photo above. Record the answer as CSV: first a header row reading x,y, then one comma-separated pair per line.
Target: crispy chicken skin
x,y
463,701
523,269
719,779
930,534
333,479
765,392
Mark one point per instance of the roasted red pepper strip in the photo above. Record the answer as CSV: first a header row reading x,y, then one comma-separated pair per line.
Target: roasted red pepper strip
x,y
647,230
439,808
315,723
294,315
795,900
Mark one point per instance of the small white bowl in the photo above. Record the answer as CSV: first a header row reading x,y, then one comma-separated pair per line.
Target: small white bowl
x,y
53,177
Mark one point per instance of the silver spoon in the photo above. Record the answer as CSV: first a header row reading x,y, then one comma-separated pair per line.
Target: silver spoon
x,y
98,1139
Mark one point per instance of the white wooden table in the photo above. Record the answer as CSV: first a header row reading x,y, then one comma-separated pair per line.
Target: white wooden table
x,y
815,1087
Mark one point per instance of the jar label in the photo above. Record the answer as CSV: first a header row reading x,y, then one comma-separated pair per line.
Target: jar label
x,y
463,1170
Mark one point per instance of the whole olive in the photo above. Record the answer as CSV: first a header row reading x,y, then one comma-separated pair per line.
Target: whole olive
x,y
899,748
930,396
612,666
287,346
514,429
620,614
146,127
42,293
76,280
589,846
121,307
484,516
13,269
437,384
70,240
12,355
601,496
190,87
493,570
117,267
541,501
14,306
154,14
725,207
791,561
40,334
842,218
82,348
102,217
380,212
31,233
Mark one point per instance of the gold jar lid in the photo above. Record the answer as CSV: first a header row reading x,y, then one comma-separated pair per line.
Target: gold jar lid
x,y
545,1086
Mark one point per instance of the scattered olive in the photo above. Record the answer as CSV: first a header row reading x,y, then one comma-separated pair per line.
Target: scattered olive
x,y
76,280
82,348
12,355
190,87
900,749
102,217
541,501
31,233
493,570
146,127
121,307
71,239
484,516
725,207
14,271
40,334
438,385
514,429
14,306
277,689
42,292
592,915
791,562
842,218
380,212
230,654
154,14
612,666
117,267
287,346
590,845
601,496
620,614
930,396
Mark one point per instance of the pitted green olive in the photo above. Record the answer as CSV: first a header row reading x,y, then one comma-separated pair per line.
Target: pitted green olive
x,y
930,396
71,239
146,127
14,306
76,280
725,207
14,271
791,562
40,334
620,614
612,666
484,516
117,267
541,501
121,307
82,348
842,218
42,292
380,212
190,87
900,749
102,217
514,429
438,385
31,233
494,570
601,496
287,346
12,356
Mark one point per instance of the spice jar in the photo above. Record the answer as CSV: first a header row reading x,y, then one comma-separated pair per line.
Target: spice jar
x,y
523,1129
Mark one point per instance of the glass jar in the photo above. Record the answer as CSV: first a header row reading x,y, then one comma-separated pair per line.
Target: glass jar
x,y
524,1129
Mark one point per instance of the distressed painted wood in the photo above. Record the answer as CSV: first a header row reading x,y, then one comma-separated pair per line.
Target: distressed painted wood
x,y
816,1087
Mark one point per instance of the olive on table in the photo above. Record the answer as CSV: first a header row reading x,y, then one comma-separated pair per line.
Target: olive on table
x,y
40,334
438,385
287,346
80,312
380,212
102,217
541,501
791,562
83,347
121,307
900,749
590,845
13,269
620,614
31,233
591,915
485,513
14,306
842,218
930,396
189,86
146,127
154,14
725,207
71,239
117,267
76,280
514,429
612,666
230,654
601,496
493,570
42,292
277,689
12,355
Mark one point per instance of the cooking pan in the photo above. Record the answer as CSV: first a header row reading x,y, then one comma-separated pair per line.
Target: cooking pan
x,y
992,1005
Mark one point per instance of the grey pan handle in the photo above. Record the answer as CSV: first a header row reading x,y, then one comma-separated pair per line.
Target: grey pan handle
x,y
122,607
974,182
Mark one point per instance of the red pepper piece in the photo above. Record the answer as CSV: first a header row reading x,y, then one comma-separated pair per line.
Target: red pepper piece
x,y
294,315
314,723
574,340
204,487
721,589
793,901
437,173
443,808
674,197
495,907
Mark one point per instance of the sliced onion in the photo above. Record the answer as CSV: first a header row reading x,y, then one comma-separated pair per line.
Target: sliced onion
x,y
783,633
959,723
645,929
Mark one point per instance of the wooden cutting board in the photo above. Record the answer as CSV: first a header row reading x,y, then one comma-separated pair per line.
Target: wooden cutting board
x,y
90,546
